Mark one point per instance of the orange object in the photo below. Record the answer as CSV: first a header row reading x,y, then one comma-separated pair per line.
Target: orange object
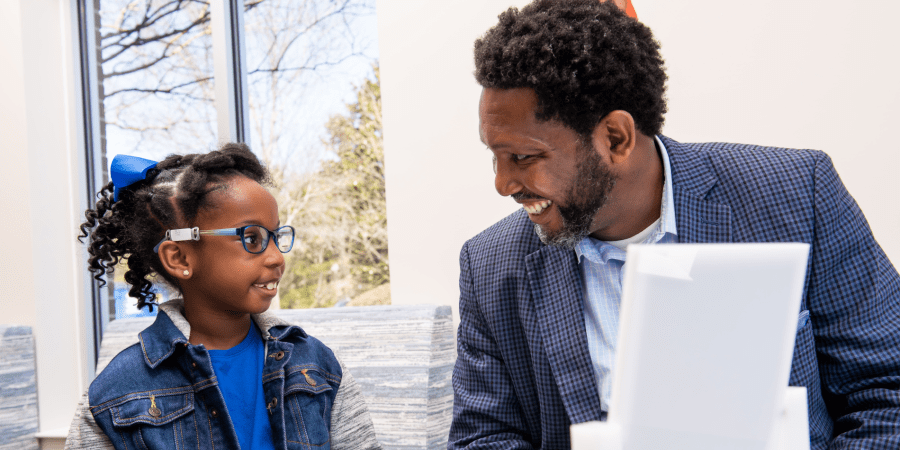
x,y
626,6
629,9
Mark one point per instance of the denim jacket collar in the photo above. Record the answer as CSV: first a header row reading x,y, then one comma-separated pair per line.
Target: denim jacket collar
x,y
171,329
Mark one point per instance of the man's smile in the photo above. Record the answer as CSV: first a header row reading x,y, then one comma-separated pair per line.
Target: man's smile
x,y
536,207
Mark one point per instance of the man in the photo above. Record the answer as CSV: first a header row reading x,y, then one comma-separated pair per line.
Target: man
x,y
572,109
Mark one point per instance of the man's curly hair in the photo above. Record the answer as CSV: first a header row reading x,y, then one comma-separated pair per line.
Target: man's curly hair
x,y
582,58
170,197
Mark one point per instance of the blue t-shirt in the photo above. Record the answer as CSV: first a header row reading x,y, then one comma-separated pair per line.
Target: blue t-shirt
x,y
239,371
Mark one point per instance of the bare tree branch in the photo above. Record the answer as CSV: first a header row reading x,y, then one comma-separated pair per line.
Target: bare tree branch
x,y
310,68
160,90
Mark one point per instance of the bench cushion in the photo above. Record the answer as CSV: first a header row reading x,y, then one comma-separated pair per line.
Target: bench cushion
x,y
18,389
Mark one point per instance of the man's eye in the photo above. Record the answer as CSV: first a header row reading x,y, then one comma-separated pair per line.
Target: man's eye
x,y
251,238
521,157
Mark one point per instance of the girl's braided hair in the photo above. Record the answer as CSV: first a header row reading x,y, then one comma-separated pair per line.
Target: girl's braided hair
x,y
170,197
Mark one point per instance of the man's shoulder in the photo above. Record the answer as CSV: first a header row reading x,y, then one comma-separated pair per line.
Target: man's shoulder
x,y
512,235
739,167
736,158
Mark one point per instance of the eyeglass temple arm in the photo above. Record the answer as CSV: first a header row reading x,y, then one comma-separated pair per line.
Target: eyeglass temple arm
x,y
181,234
222,232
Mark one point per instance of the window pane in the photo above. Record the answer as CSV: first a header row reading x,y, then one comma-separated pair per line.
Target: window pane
x,y
315,118
156,74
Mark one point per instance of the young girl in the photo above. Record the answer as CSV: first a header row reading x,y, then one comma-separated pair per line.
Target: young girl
x,y
214,371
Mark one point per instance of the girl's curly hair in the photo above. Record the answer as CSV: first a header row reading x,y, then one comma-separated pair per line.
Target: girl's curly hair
x,y
170,197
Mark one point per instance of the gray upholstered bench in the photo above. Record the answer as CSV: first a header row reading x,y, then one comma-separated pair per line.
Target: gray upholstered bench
x,y
401,356
18,389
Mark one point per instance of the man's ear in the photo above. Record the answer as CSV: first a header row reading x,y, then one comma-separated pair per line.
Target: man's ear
x,y
616,133
175,260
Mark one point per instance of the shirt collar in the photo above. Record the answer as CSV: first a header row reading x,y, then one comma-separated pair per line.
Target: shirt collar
x,y
667,215
596,250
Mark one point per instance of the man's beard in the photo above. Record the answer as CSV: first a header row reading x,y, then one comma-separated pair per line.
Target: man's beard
x,y
588,193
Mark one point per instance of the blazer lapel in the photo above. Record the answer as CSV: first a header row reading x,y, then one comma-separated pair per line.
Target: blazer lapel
x,y
556,289
697,218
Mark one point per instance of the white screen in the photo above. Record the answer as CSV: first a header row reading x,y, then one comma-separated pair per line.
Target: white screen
x,y
705,343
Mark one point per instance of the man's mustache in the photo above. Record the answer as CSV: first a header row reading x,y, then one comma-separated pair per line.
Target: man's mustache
x,y
525,195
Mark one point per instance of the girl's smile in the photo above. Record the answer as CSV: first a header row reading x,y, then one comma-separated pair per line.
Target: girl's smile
x,y
271,286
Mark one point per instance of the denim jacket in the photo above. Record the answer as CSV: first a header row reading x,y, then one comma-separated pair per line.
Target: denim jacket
x,y
162,393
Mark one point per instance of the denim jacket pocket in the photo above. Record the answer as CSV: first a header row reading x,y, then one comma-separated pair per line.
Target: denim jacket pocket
x,y
308,398
157,419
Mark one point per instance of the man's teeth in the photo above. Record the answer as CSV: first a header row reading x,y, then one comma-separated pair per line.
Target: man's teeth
x,y
537,208
269,286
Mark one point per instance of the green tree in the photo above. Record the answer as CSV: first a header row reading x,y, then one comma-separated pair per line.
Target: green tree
x,y
340,212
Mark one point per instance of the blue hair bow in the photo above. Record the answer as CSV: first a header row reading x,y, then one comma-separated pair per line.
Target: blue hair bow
x,y
127,170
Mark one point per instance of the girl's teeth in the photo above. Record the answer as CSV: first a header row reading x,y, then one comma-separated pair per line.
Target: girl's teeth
x,y
271,286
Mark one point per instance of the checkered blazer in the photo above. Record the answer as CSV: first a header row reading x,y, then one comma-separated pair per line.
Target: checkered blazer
x,y
523,372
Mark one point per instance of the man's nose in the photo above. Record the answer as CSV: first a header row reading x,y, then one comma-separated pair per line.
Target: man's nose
x,y
505,177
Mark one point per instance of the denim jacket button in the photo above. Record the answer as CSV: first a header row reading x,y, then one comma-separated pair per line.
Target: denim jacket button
x,y
279,356
214,413
154,412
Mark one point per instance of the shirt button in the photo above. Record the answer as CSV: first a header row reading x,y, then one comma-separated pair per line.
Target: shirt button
x,y
279,356
194,365
214,413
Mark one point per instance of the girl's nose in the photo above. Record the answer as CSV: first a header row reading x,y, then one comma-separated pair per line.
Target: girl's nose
x,y
274,257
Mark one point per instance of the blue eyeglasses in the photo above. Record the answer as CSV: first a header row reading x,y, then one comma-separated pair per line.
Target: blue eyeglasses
x,y
254,237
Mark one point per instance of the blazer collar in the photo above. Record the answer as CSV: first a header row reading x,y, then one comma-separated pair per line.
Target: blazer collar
x,y
698,217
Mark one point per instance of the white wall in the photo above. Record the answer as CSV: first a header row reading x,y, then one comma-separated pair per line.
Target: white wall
x,y
818,74
41,278
799,73
16,286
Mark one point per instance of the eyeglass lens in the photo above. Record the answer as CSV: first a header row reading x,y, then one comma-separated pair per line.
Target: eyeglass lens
x,y
256,239
284,237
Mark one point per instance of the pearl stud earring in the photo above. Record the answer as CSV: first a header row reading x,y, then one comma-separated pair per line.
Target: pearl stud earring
x,y
186,272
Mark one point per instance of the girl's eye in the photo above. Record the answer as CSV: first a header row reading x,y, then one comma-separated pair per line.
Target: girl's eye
x,y
522,157
251,238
